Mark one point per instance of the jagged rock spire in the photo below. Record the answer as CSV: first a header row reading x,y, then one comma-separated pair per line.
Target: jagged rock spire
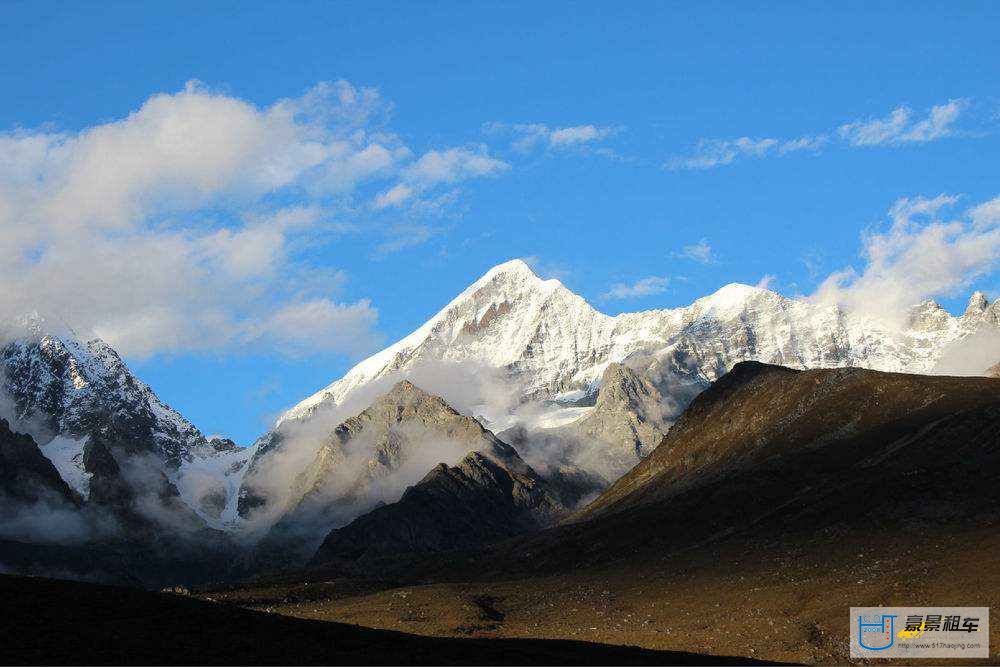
x,y
978,304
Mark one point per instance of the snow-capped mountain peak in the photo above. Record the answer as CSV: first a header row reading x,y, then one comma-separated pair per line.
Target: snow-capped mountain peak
x,y
550,342
506,318
64,389
56,377
977,304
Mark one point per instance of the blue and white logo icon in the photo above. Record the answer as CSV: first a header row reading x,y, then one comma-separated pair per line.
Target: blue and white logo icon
x,y
876,632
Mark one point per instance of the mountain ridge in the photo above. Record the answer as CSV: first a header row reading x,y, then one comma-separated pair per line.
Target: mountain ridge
x,y
537,342
481,322
546,351
767,454
374,460
66,391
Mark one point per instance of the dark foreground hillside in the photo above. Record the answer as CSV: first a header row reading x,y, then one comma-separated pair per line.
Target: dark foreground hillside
x,y
48,621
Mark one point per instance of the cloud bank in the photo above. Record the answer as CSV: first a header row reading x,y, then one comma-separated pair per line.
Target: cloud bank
x,y
171,229
922,254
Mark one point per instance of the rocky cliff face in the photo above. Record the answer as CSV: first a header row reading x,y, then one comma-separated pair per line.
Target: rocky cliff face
x,y
371,458
26,476
71,394
628,412
397,432
627,421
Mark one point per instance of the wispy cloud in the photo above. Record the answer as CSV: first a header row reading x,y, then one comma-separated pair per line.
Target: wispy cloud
x,y
547,269
901,126
640,288
710,153
766,281
440,167
530,136
397,195
699,252
402,236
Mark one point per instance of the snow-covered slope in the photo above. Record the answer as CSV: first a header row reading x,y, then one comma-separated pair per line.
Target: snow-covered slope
x,y
550,343
536,329
64,390
66,454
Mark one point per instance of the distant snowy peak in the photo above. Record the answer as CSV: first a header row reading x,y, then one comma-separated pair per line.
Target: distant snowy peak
x,y
978,303
62,385
65,391
551,342
980,309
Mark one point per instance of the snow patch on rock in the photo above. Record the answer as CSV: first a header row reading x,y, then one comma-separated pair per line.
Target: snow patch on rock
x,y
66,454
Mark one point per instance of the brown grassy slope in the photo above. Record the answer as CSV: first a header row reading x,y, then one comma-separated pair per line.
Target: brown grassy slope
x,y
779,598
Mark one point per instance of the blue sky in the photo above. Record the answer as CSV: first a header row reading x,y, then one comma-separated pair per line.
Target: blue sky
x,y
646,155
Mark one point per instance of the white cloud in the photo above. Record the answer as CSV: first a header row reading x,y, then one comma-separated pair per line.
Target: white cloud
x,y
766,281
986,214
438,167
185,150
528,136
397,195
548,270
898,128
921,255
156,231
403,236
711,153
342,327
580,134
699,252
807,143
642,287
452,165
